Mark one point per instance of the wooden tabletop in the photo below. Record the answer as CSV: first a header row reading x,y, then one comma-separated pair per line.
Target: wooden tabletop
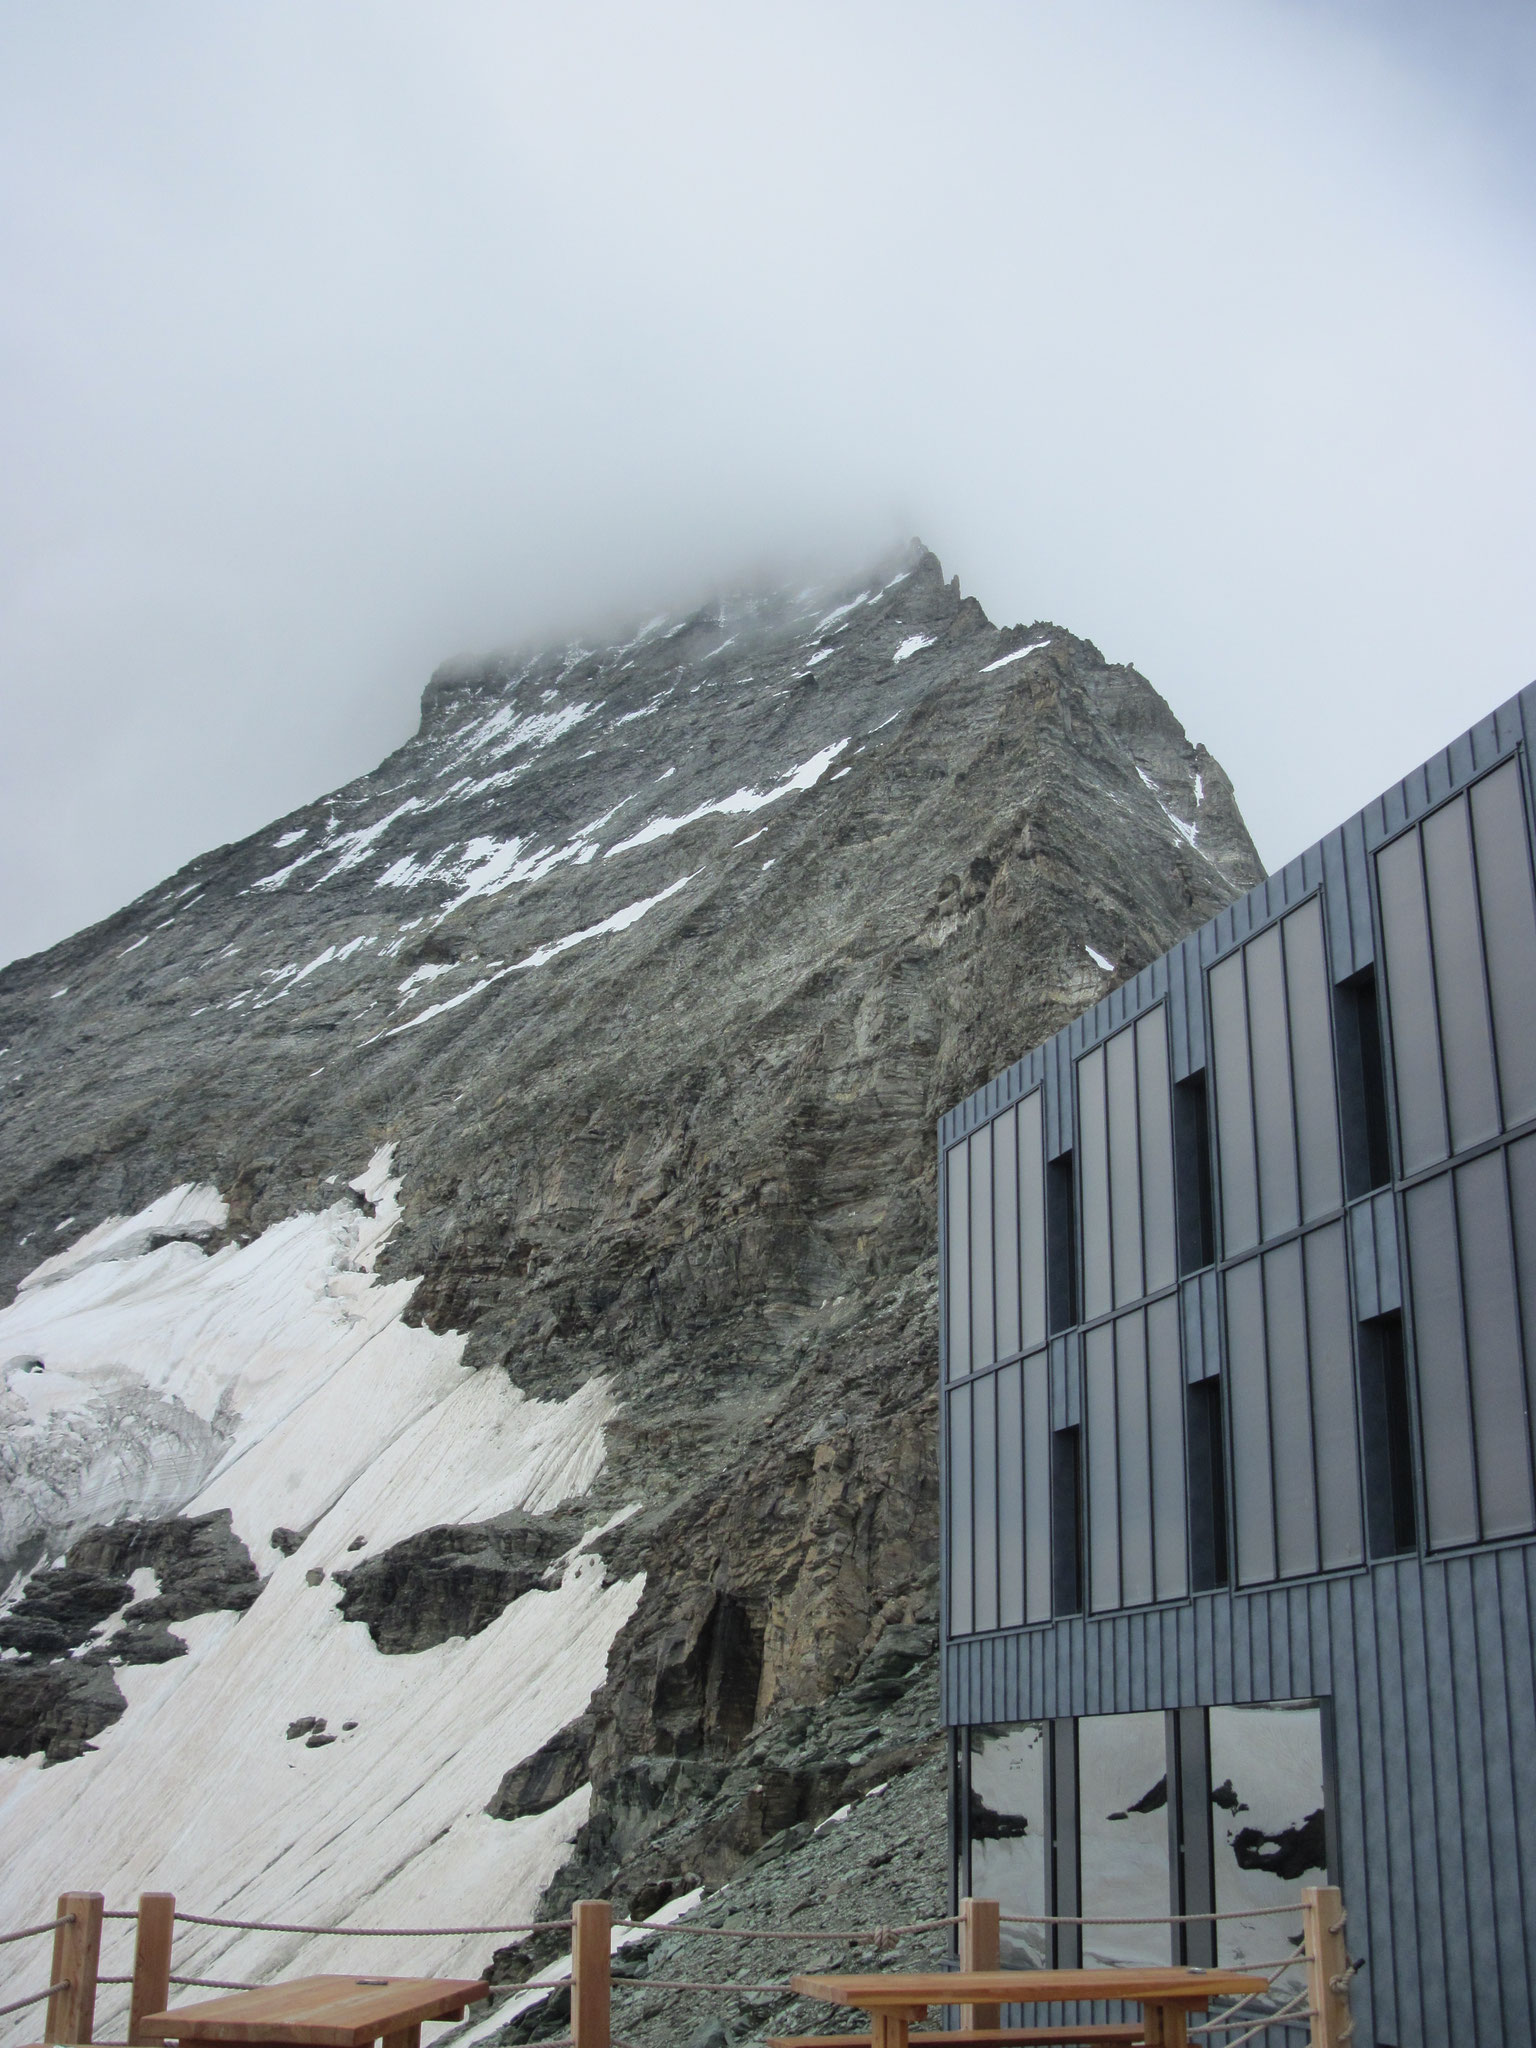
x,y
1168,1985
328,2012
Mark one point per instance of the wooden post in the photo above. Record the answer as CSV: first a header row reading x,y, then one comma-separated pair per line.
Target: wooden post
x,y
591,1948
76,1959
1322,1919
980,1949
151,1962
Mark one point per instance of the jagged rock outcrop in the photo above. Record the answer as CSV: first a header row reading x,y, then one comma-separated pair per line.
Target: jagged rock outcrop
x,y
55,1701
655,963
451,1581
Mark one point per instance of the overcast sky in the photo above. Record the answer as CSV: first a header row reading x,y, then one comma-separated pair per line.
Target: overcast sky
x,y
336,338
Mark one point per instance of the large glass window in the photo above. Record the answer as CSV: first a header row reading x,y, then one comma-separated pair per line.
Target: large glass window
x,y
1123,1835
1277,1129
1269,1836
1459,934
1290,1376
1008,1833
1125,1145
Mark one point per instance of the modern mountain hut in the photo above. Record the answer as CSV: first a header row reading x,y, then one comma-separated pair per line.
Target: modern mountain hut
x,y
1239,1347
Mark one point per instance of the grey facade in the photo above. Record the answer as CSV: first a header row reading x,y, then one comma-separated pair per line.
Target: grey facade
x,y
1239,1340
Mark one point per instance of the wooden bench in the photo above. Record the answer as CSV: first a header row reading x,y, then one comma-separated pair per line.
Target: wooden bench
x,y
1090,2033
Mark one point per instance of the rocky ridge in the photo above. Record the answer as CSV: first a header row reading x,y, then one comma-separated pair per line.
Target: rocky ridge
x,y
655,963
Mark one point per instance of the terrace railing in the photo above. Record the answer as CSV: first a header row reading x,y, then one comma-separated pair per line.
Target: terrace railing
x,y
1321,2006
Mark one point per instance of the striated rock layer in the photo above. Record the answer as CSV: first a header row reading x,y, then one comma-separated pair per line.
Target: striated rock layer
x,y
654,964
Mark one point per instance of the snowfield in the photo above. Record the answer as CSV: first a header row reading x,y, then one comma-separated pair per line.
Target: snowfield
x,y
277,1379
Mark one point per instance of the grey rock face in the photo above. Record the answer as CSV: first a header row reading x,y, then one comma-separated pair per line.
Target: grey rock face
x,y
451,1581
55,1702
657,962
200,1562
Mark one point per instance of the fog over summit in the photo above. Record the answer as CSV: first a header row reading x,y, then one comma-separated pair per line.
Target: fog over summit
x,y
338,338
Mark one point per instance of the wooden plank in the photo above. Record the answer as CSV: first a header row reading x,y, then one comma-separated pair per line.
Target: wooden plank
x,y
76,1958
151,1990
1090,2034
591,1983
1163,1983
324,2012
980,1949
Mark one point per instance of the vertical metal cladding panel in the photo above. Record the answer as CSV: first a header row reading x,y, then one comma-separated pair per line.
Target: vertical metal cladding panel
x,y
1011,1489
1521,1159
957,1262
1134,1445
1509,933
1124,1155
1201,1319
1495,1354
1309,1010
1248,1388
1155,1133
1274,1109
984,1502
1093,1185
1374,1262
1335,1429
961,1605
1103,1468
1466,1036
983,1344
1037,1487
1031,1147
1290,1418
1237,1162
1411,1005
1165,1430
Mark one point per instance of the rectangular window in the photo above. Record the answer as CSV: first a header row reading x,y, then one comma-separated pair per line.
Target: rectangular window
x,y
1123,1823
1268,1807
1192,1175
1391,1523
1066,1521
1005,1232
1362,1086
1207,1486
1007,1834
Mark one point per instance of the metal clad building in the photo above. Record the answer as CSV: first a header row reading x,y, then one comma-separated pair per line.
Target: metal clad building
x,y
1237,1274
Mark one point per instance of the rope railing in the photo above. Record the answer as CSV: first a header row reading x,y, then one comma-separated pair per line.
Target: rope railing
x,y
394,1933
34,1998
593,1969
42,1927
1147,1920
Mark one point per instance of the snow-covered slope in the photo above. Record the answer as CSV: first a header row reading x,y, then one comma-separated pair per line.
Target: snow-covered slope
x,y
319,1411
